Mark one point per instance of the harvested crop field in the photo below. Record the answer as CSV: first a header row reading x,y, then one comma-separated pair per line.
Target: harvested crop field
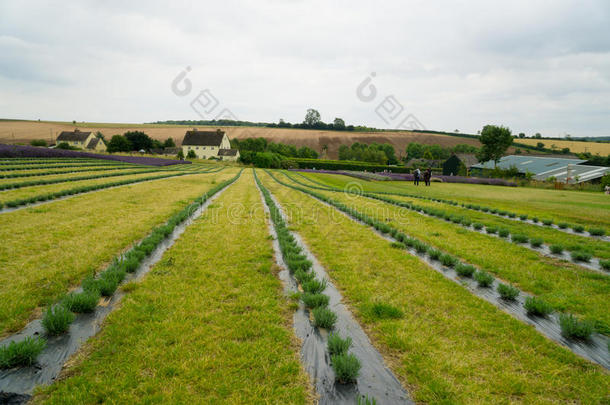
x,y
25,131
594,148
227,284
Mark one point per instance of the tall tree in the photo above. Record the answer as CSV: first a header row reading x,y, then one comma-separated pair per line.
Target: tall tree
x,y
118,143
312,117
339,124
139,140
169,143
495,140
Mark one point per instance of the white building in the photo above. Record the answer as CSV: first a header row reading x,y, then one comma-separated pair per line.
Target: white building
x,y
207,144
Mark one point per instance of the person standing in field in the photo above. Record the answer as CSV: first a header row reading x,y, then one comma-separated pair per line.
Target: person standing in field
x,y
427,176
416,175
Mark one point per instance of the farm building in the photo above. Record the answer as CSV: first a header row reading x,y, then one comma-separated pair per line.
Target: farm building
x,y
208,144
457,162
82,140
542,168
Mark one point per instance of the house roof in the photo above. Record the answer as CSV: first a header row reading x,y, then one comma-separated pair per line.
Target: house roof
x,y
533,164
203,138
544,167
469,159
227,152
73,136
93,143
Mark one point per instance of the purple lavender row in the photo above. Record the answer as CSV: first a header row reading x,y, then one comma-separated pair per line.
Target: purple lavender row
x,y
14,151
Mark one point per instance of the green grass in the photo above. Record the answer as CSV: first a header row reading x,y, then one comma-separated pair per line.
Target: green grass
x,y
382,310
60,244
202,326
566,286
21,353
450,346
585,208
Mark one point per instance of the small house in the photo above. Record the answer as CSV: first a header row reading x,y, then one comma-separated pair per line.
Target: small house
x,y
209,144
82,140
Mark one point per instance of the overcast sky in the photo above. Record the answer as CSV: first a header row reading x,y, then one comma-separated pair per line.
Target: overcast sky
x,y
535,66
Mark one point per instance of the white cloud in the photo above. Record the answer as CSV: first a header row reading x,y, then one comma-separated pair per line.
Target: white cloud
x,y
536,66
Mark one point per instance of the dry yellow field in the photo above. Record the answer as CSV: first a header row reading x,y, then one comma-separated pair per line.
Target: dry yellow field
x,y
25,131
602,149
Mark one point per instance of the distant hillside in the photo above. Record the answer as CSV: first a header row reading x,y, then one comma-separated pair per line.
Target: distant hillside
x,y
319,140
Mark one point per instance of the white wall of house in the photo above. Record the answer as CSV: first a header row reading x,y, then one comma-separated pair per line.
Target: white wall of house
x,y
206,152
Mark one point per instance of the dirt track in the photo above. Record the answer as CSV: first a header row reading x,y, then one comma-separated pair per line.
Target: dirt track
x,y
25,131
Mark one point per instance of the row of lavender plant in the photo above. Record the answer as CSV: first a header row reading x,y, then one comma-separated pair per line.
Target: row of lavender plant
x,y
571,326
58,317
579,229
10,151
346,366
74,170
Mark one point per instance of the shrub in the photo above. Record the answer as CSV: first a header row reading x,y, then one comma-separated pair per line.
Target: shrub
x,y
556,249
535,220
507,292
314,286
466,221
523,217
315,300
518,238
22,353
456,219
597,231
336,345
579,256
483,278
82,302
491,229
420,247
324,318
57,319
493,210
397,245
536,306
536,242
478,226
547,222
304,276
38,142
572,327
448,260
503,232
382,310
346,367
605,264
578,228
562,225
435,254
464,270
512,215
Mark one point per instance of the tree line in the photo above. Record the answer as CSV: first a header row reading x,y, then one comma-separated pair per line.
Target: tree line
x,y
136,141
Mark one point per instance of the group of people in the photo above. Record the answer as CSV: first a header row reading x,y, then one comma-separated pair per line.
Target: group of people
x,y
417,175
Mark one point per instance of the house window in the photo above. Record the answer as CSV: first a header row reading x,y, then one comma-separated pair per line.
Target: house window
x,y
204,148
189,147
196,147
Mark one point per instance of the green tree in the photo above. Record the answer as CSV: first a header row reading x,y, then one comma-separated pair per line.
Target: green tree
x,y
495,140
180,154
339,124
139,140
521,135
38,142
169,143
119,143
415,150
191,155
312,117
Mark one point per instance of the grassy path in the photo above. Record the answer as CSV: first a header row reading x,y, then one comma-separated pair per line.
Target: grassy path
x,y
49,248
208,324
585,208
449,346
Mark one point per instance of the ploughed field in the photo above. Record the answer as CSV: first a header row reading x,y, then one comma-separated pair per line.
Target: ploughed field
x,y
199,280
